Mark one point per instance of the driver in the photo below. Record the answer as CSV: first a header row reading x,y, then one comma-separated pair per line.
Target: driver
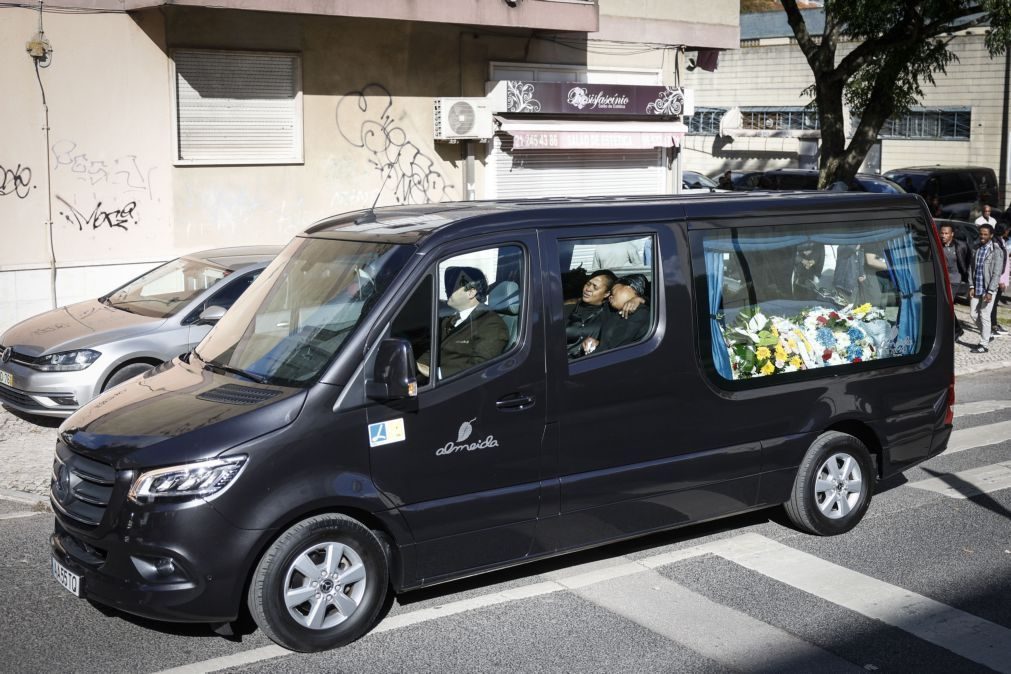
x,y
474,333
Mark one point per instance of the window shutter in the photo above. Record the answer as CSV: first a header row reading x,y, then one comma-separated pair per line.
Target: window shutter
x,y
238,107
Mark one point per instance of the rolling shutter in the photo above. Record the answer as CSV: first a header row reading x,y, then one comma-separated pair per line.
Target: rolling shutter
x,y
577,173
238,107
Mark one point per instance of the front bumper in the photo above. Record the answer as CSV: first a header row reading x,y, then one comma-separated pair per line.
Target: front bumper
x,y
179,562
54,394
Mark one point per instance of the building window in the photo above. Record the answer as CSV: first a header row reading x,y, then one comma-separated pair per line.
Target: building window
x,y
937,123
780,119
237,107
705,121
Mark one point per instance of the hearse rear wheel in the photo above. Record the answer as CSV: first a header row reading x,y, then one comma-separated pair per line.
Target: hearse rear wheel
x,y
833,486
320,585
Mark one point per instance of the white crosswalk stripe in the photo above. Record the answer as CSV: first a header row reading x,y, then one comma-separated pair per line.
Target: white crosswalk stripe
x,y
978,436
968,483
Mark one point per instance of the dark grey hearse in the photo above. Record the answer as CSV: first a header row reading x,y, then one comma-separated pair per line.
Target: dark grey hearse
x,y
395,402
53,363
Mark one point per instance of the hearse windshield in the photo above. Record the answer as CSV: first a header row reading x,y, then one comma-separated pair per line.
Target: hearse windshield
x,y
293,320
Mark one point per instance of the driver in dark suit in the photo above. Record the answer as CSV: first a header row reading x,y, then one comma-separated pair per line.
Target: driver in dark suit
x,y
472,335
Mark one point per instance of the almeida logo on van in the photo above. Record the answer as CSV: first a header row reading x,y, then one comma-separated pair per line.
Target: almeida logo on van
x,y
461,444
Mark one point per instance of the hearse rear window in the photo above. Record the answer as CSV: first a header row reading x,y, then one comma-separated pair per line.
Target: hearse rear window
x,y
789,299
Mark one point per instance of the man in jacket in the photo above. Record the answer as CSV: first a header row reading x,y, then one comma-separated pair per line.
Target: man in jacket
x,y
472,335
987,266
1000,239
958,258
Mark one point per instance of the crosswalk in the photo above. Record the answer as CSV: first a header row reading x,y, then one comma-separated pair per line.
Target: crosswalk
x,y
643,592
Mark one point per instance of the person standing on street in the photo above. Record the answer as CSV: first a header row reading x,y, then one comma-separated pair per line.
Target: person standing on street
x,y
987,266
958,259
986,218
1000,240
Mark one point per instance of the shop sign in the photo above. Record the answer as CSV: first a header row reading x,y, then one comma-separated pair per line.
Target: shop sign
x,y
590,140
575,98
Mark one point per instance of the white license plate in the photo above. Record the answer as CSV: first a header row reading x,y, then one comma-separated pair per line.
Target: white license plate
x,y
66,578
6,378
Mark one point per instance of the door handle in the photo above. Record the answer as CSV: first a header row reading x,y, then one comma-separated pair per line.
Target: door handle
x,y
515,401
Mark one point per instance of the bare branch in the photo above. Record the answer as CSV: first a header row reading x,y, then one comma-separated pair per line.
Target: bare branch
x,y
799,26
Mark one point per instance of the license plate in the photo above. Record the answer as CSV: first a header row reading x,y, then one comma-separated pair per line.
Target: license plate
x,y
6,378
67,578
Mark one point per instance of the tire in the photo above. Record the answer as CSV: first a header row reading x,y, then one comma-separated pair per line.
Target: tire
x,y
833,486
125,373
337,609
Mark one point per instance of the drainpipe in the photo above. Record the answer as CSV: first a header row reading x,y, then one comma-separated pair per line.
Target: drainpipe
x,y
1004,128
41,52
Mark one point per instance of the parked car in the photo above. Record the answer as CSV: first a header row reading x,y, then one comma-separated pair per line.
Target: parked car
x,y
744,181
960,189
807,179
693,181
54,362
333,440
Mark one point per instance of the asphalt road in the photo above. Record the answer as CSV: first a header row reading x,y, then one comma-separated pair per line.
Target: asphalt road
x,y
924,583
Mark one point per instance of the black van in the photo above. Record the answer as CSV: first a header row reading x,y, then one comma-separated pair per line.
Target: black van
x,y
413,394
961,190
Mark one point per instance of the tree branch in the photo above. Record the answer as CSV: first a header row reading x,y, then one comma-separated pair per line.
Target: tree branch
x,y
799,26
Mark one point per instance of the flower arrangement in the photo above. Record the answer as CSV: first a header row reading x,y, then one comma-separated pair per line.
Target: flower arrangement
x,y
761,345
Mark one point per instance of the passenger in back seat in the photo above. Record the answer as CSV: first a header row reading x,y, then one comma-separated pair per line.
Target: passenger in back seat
x,y
616,329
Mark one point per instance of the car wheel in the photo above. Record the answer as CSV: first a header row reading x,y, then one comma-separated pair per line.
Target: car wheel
x,y
833,486
125,373
320,585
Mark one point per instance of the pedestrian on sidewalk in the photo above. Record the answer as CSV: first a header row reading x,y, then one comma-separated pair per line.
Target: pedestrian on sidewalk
x,y
1000,236
986,218
958,259
987,266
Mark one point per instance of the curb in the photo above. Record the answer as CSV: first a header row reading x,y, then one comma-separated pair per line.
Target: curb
x,y
981,367
23,497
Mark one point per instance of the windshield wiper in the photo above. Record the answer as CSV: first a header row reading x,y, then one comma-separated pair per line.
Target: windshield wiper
x,y
211,365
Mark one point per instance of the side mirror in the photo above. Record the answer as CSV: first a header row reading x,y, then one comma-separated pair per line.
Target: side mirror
x,y
211,315
394,376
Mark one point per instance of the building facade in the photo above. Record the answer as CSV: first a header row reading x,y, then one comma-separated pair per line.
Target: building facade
x,y
752,114
146,129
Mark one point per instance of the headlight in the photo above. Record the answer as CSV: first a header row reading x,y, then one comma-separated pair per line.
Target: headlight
x,y
204,478
66,361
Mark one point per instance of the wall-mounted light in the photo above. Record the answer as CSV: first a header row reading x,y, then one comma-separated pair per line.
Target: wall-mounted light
x,y
512,3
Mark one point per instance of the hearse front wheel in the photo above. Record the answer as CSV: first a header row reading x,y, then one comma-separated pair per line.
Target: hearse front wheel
x,y
833,486
320,585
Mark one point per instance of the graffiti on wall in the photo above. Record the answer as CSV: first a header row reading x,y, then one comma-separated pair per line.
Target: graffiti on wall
x,y
16,181
123,217
123,172
365,119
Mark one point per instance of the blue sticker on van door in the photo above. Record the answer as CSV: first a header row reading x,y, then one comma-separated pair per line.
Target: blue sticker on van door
x,y
387,432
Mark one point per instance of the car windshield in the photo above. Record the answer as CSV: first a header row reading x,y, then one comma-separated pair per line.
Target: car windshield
x,y
692,179
165,290
882,185
293,320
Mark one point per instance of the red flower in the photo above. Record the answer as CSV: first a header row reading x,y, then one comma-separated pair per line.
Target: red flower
x,y
827,355
856,360
834,316
822,320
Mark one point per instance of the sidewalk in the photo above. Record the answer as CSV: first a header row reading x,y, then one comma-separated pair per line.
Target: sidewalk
x,y
27,449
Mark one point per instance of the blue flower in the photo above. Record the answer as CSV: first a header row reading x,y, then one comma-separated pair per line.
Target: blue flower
x,y
855,352
855,335
825,337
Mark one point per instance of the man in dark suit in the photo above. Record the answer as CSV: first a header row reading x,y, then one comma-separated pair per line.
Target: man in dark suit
x,y
958,258
472,335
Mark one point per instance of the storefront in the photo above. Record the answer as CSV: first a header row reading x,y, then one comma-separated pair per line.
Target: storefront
x,y
581,139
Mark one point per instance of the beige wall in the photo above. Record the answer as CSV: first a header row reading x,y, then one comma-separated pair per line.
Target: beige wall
x,y
712,24
776,76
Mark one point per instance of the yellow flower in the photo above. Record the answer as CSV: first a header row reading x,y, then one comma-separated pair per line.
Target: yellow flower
x,y
763,353
791,344
795,361
862,309
775,332
768,368
780,352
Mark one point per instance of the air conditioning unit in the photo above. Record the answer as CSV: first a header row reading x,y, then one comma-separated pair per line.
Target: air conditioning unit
x,y
463,119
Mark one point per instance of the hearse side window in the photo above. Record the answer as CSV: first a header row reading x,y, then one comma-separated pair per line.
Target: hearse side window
x,y
414,322
607,287
481,296
786,299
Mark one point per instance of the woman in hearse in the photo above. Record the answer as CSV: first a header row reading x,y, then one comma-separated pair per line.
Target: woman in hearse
x,y
620,326
583,318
